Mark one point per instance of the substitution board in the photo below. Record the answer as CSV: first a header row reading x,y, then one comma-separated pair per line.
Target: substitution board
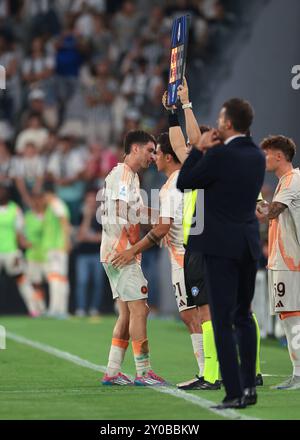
x,y
179,42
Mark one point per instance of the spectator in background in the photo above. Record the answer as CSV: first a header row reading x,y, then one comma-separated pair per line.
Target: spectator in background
x,y
6,164
35,132
88,267
43,17
136,82
154,118
38,105
29,173
125,26
9,98
84,25
6,130
95,5
38,69
70,51
100,162
49,147
101,39
66,169
98,99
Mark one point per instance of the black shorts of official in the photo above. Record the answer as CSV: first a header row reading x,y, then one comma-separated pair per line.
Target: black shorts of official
x,y
194,275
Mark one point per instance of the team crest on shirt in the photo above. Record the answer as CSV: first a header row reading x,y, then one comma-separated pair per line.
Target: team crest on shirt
x,y
194,291
144,289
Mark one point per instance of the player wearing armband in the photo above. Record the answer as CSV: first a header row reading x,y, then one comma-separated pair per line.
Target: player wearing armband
x,y
284,247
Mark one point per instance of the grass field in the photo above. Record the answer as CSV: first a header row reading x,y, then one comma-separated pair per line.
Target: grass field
x,y
38,382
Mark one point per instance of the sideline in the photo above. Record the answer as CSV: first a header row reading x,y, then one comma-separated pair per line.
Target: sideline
x,y
191,398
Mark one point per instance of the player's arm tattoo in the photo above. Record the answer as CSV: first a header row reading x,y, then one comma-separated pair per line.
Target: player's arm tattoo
x,y
275,209
153,238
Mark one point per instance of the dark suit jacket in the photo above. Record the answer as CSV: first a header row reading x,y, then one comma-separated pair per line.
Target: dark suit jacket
x,y
232,176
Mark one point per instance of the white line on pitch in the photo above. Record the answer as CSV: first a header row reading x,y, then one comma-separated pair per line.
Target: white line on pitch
x,y
191,398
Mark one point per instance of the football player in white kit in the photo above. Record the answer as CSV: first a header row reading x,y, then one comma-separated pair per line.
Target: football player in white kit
x,y
284,248
121,210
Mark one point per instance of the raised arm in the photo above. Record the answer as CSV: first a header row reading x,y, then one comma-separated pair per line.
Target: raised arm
x,y
192,127
177,139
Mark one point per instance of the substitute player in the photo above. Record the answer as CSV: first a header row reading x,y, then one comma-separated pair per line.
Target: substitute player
x,y
34,221
284,247
122,208
169,229
11,257
56,245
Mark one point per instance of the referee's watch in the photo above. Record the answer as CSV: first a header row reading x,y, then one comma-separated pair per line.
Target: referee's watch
x,y
188,105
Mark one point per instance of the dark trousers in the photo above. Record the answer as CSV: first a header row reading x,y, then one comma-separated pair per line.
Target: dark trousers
x,y
231,289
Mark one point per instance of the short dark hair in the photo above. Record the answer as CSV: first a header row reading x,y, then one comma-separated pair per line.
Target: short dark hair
x,y
281,143
165,145
137,137
240,113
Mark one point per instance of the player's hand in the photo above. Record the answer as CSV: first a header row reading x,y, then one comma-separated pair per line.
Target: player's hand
x,y
123,258
183,92
208,140
262,210
164,101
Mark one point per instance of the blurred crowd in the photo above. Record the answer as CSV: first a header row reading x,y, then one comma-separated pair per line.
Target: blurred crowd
x,y
80,74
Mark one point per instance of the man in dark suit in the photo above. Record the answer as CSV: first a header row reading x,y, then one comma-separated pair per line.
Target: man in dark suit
x,y
231,174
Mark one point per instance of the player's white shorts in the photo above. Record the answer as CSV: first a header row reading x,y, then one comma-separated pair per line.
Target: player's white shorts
x,y
284,291
13,263
36,272
128,282
57,263
179,289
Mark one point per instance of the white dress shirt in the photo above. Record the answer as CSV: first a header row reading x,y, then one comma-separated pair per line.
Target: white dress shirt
x,y
233,137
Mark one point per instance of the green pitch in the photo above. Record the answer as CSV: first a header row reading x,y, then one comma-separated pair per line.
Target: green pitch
x,y
35,384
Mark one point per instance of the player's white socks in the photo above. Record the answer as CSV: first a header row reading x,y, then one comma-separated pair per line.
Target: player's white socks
x,y
58,295
27,293
197,341
116,356
291,327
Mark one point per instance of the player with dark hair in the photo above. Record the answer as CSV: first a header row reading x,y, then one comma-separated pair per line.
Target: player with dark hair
x,y
169,231
122,208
